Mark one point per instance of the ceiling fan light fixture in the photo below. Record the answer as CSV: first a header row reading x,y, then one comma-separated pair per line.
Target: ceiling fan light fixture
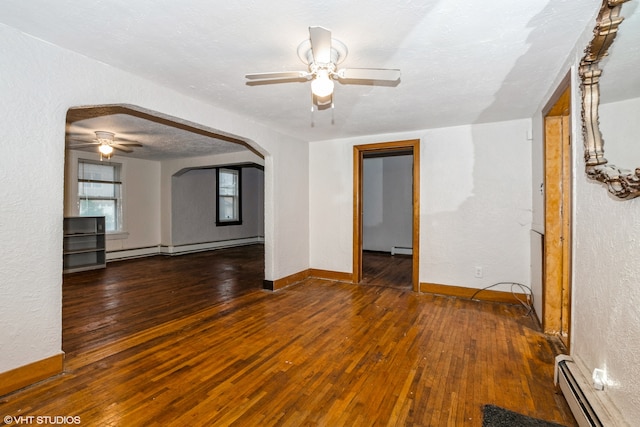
x,y
322,85
105,149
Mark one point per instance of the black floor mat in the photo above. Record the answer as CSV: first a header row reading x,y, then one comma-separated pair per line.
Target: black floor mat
x,y
495,416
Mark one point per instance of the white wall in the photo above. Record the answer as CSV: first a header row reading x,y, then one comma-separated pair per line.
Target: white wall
x,y
476,205
140,197
194,207
40,82
475,202
537,215
170,168
387,203
606,286
605,323
606,292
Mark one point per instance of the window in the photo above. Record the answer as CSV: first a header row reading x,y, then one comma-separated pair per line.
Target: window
x,y
229,210
99,192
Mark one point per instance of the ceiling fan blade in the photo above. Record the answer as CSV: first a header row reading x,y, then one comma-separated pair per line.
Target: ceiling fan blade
x,y
278,75
122,140
121,148
369,74
82,145
127,144
82,141
320,44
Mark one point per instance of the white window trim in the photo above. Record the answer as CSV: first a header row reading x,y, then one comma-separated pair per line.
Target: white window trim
x,y
120,232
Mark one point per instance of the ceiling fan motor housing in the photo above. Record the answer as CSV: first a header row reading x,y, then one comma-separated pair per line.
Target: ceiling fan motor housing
x,y
104,136
338,54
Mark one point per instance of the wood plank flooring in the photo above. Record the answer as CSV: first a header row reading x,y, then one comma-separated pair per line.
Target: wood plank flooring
x,y
317,353
384,269
101,306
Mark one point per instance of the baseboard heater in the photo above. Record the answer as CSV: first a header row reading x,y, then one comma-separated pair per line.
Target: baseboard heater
x,y
587,407
401,250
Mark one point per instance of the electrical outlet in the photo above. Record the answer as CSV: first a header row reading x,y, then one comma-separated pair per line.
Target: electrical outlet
x,y
599,379
478,273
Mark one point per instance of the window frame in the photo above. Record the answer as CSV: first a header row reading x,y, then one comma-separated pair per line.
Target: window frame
x,y
118,191
235,221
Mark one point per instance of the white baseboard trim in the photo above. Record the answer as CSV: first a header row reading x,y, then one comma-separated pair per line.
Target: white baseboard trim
x,y
401,250
181,249
207,246
133,253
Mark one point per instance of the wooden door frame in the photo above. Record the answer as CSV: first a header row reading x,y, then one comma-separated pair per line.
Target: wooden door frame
x,y
556,305
359,151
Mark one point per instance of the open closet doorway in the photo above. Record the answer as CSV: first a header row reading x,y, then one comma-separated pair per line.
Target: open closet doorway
x,y
556,315
386,214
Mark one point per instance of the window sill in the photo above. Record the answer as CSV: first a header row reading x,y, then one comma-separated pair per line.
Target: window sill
x,y
223,223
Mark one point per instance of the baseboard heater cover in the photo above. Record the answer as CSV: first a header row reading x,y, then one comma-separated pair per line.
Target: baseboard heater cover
x,y
123,254
401,250
587,407
207,246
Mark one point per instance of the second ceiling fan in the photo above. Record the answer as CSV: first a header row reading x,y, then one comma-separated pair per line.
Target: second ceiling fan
x,y
322,54
105,142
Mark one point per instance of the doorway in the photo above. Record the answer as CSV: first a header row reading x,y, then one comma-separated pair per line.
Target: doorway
x,y
361,152
168,205
556,316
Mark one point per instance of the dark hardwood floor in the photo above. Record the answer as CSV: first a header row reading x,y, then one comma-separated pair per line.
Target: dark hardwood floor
x,y
194,340
101,306
384,269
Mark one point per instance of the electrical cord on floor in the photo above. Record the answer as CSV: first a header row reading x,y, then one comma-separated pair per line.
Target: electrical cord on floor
x,y
528,304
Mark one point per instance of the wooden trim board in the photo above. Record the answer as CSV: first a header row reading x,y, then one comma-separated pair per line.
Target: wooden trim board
x,y
289,280
380,149
26,375
331,275
480,294
274,285
430,288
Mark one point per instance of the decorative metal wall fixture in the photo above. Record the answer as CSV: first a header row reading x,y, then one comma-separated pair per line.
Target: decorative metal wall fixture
x,y
622,183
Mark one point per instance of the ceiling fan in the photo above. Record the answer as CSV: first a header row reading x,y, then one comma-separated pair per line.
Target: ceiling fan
x,y
106,142
322,54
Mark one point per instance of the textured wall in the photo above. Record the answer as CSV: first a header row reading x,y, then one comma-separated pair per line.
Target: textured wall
x,y
476,204
32,143
606,291
194,207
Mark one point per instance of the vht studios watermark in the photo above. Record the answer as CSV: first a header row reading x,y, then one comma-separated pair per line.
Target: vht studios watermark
x,y
42,419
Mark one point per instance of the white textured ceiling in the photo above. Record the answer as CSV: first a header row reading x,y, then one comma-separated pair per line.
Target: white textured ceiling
x,y
161,138
461,61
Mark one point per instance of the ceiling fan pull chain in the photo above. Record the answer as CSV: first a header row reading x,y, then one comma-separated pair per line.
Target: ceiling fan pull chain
x,y
333,108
